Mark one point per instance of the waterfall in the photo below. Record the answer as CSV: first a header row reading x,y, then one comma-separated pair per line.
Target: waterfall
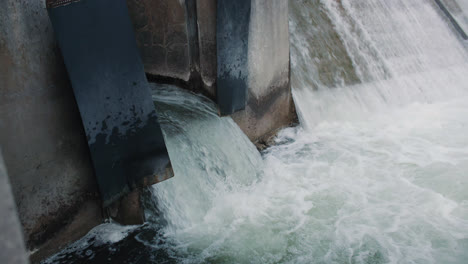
x,y
400,51
210,155
385,140
375,173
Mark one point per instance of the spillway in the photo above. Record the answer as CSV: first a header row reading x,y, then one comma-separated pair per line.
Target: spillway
x,y
375,173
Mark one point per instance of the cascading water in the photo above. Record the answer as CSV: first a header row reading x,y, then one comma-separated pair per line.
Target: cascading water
x,y
388,153
401,51
376,173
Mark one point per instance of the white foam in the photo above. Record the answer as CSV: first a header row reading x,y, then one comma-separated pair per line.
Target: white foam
x,y
104,234
375,174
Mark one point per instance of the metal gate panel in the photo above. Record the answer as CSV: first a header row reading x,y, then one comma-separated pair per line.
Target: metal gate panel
x,y
232,40
98,45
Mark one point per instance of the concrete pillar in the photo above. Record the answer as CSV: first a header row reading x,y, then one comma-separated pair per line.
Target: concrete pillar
x,y
162,28
206,18
162,37
41,135
269,101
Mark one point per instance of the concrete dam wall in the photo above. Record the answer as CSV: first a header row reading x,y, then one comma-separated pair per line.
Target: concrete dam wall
x,y
41,132
41,135
365,75
163,32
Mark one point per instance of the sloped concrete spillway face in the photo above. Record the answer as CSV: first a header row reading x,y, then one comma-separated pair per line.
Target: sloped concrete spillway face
x,y
98,45
383,51
389,151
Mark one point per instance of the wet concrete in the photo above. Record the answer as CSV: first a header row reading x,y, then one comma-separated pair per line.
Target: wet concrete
x,y
12,248
43,141
269,100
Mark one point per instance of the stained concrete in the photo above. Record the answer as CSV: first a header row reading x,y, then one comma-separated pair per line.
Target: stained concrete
x,y
162,36
126,143
323,46
128,210
163,28
43,142
12,249
77,225
177,42
206,18
269,101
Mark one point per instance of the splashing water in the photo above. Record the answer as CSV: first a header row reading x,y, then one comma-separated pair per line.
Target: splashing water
x,y
376,173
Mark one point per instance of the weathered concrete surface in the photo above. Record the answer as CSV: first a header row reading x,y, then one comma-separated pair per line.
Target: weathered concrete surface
x,y
12,249
162,37
206,15
43,142
87,217
164,29
333,66
269,101
177,41
128,210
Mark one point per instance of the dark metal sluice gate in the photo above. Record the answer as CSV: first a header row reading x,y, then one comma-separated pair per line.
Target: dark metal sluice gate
x,y
98,45
232,41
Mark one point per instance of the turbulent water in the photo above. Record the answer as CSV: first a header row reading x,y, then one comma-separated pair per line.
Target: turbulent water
x,y
377,172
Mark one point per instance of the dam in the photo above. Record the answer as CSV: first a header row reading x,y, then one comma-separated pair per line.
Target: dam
x,y
374,169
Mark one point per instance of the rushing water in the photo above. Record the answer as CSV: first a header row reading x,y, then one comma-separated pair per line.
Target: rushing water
x,y
376,173
459,10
